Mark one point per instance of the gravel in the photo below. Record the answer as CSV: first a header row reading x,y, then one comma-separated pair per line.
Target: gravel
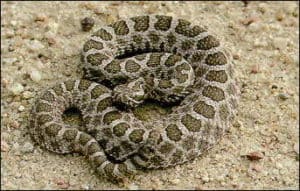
x,y
41,44
87,23
17,88
283,96
27,147
35,76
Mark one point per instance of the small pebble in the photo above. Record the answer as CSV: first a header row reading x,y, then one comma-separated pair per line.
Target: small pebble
x,y
257,167
205,179
254,69
288,59
262,7
53,27
9,60
279,16
133,187
3,170
175,181
274,87
236,56
17,135
220,177
199,187
16,146
283,96
11,48
9,33
18,175
15,124
295,13
245,3
255,27
27,94
296,148
280,43
35,76
255,156
4,82
13,23
87,23
85,187
35,45
278,165
237,123
21,108
62,184
40,18
260,43
17,88
4,146
51,41
27,148
249,20
88,6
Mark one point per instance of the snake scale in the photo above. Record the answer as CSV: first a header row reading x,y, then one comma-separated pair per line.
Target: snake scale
x,y
151,57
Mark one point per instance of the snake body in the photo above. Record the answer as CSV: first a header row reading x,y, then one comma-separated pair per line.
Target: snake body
x,y
152,57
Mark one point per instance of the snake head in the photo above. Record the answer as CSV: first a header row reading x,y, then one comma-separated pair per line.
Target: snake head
x,y
131,94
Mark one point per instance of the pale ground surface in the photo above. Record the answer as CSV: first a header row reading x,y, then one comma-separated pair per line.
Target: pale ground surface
x,y
41,43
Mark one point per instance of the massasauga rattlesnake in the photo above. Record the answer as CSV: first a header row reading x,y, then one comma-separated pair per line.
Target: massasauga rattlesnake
x,y
143,58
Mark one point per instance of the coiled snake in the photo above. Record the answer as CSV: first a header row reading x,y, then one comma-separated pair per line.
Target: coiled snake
x,y
152,57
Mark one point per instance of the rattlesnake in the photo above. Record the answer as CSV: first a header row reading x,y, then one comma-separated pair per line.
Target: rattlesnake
x,y
142,58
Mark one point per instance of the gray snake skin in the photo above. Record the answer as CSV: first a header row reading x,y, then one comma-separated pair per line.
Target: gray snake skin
x,y
152,57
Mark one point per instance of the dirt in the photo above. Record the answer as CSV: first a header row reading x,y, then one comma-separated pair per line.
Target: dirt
x,y
41,44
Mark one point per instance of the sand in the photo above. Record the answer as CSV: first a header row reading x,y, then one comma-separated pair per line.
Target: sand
x,y
41,44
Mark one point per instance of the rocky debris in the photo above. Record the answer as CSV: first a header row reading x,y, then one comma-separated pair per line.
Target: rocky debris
x,y
17,88
61,183
249,20
40,18
87,23
254,69
35,45
4,146
15,124
256,167
21,108
283,96
175,181
296,148
274,86
280,43
85,186
280,16
51,41
255,156
133,187
9,60
27,94
35,75
27,147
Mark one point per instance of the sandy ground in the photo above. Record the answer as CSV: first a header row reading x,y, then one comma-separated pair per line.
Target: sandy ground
x,y
41,44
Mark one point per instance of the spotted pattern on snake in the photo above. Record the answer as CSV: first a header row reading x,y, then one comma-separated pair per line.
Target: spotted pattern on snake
x,y
141,58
